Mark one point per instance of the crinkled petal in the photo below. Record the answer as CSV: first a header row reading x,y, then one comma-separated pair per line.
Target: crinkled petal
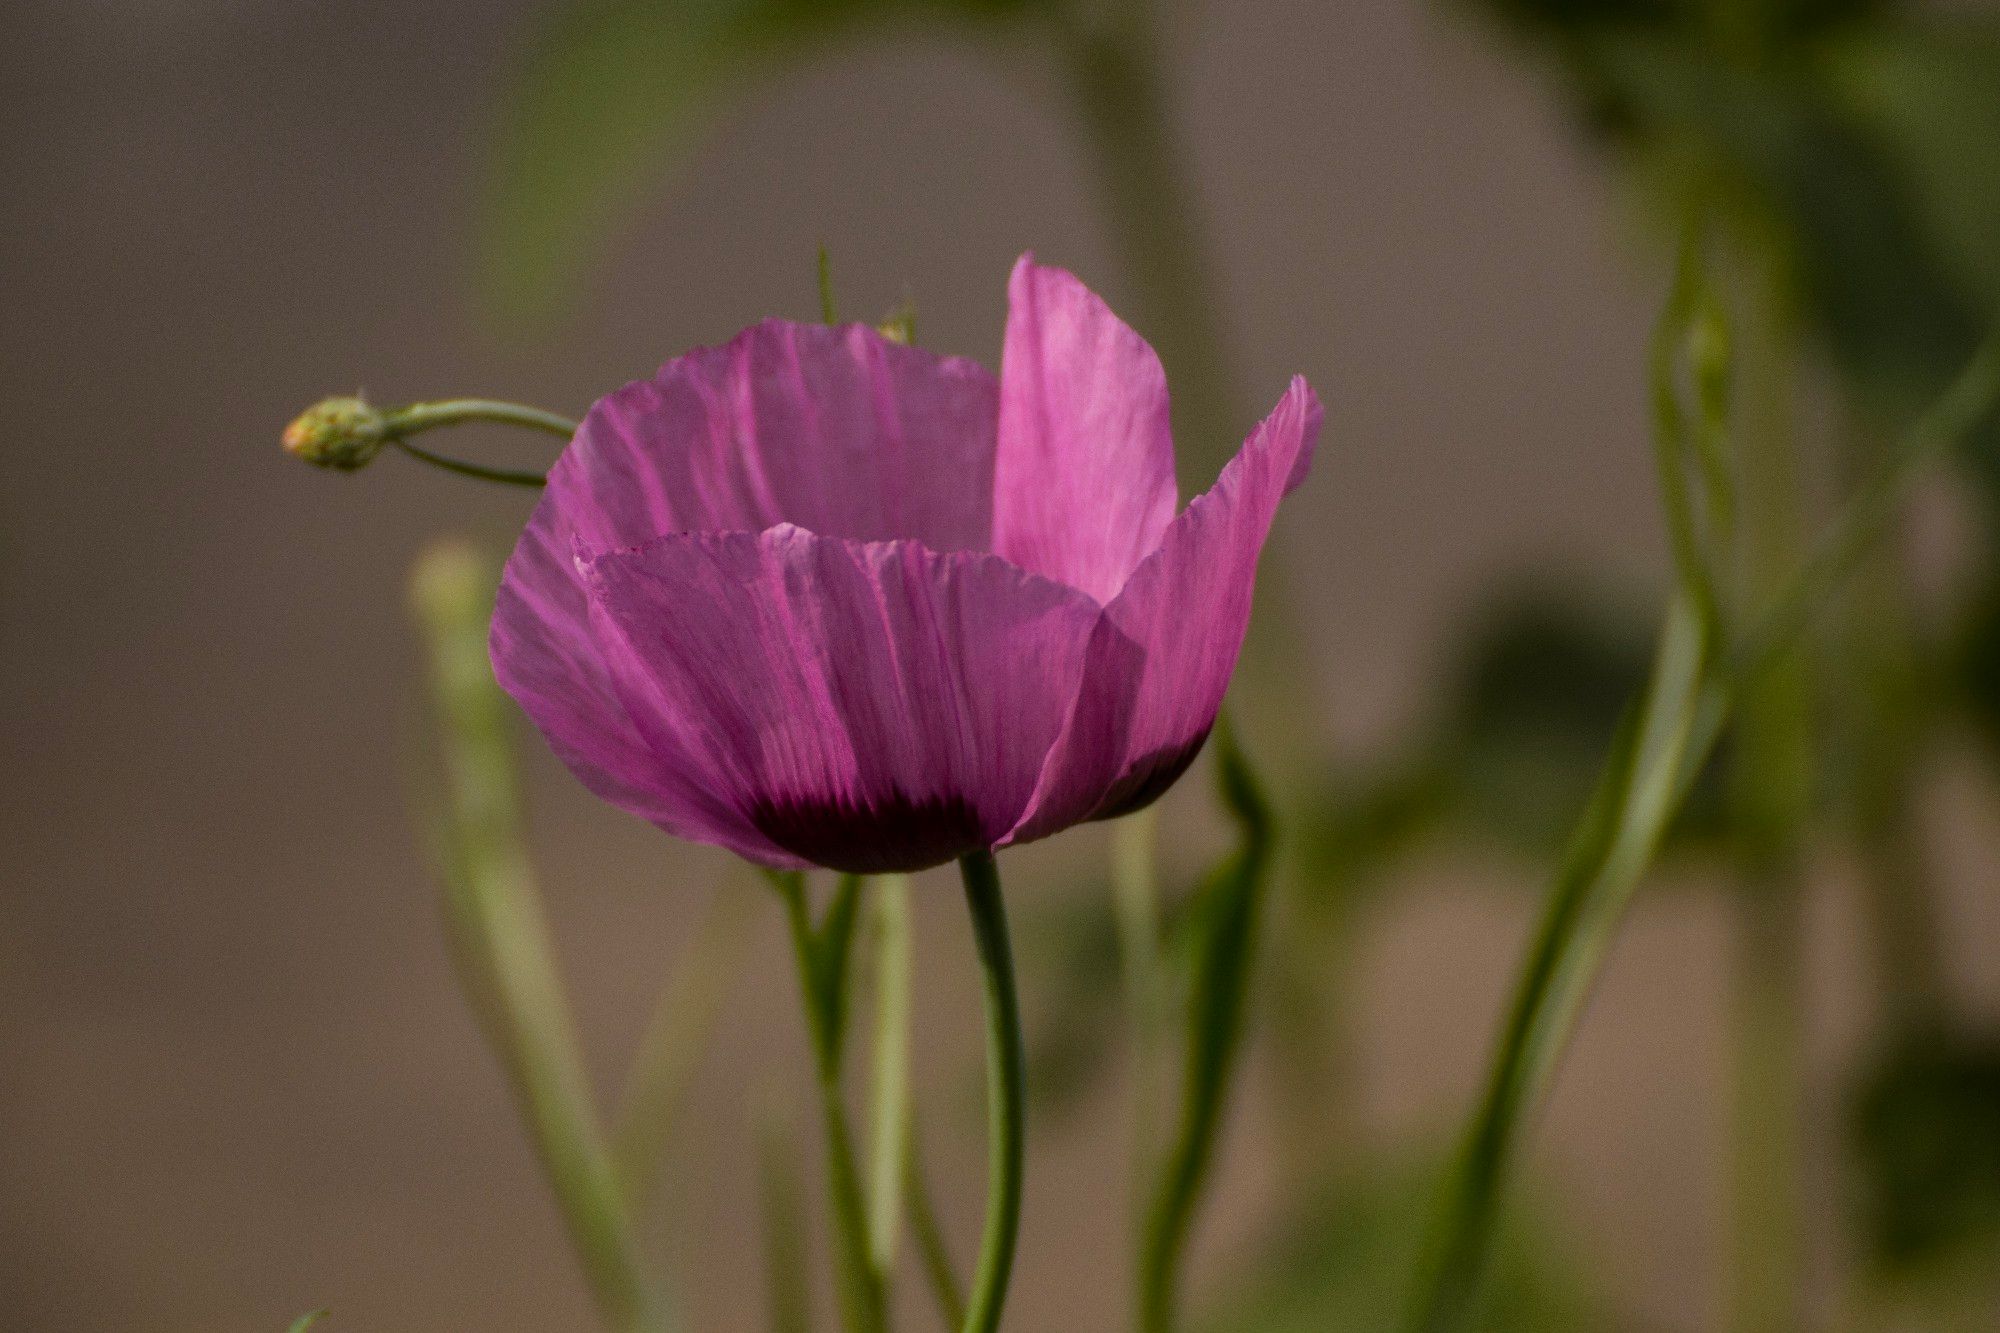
x,y
871,707
1161,657
835,429
545,654
1084,474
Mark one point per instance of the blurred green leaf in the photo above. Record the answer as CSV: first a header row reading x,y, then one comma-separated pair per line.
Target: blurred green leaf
x,y
1927,1148
614,95
1929,95
1977,662
1866,143
307,1320
1342,1259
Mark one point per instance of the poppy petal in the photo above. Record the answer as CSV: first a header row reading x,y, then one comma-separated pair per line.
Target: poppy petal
x,y
870,707
1084,475
1160,659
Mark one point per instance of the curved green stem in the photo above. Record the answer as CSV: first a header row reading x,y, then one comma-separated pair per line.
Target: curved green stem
x,y
505,476
403,422
1005,1093
419,417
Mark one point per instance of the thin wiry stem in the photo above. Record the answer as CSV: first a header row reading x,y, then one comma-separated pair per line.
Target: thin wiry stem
x,y
478,472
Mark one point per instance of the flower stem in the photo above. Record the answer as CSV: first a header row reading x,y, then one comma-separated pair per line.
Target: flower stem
x,y
889,1104
477,471
420,417
403,422
929,1235
1770,795
1005,1093
670,1049
821,957
502,943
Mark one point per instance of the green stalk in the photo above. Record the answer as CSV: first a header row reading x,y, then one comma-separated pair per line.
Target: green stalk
x,y
1228,905
821,956
477,471
787,1300
1646,778
890,1100
670,1049
1006,1103
502,942
420,417
1136,899
929,1235
1640,789
1771,789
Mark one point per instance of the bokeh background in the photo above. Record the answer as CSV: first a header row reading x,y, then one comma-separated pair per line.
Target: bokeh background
x,y
240,1080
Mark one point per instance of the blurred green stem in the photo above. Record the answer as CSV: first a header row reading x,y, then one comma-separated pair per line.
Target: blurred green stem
x,y
1674,731
669,1050
788,1301
1639,792
1770,795
1227,908
929,1235
889,1107
1136,898
501,940
1005,1093
1122,102
1889,698
821,955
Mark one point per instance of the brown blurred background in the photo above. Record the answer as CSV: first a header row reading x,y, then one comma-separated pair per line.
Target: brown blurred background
x,y
240,1081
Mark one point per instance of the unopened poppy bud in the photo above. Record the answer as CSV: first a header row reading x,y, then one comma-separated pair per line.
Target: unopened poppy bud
x,y
339,433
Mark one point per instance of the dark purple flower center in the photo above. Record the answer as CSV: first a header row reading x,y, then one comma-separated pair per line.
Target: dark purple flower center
x,y
892,836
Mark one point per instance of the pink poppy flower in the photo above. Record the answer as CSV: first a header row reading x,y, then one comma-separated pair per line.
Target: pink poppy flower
x,y
823,599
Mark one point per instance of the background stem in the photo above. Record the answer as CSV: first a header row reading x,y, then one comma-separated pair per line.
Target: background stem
x,y
1771,792
502,943
1136,899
